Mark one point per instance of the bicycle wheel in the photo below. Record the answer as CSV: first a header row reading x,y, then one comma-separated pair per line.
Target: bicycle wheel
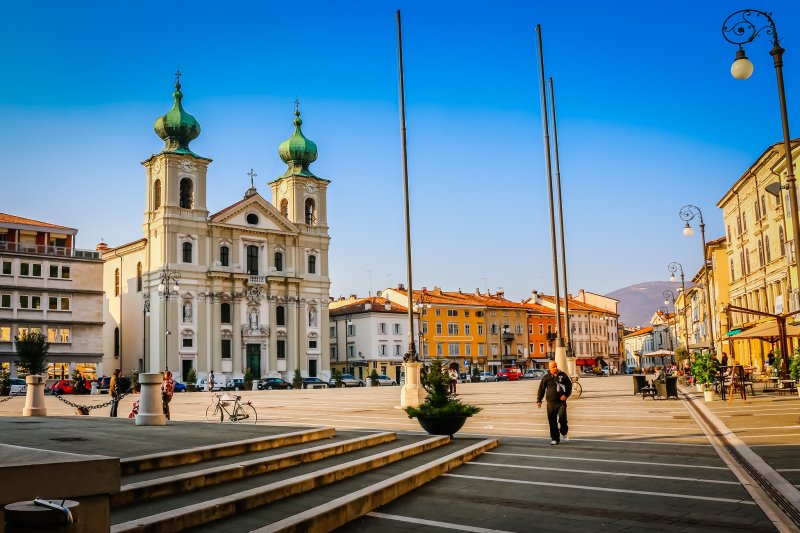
x,y
214,413
576,388
245,413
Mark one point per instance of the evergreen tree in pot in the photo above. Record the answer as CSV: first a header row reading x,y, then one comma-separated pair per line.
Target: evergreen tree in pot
x,y
337,378
32,351
248,379
191,380
442,413
373,378
794,369
297,380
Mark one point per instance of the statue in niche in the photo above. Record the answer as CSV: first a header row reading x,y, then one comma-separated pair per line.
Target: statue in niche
x,y
312,316
187,312
253,319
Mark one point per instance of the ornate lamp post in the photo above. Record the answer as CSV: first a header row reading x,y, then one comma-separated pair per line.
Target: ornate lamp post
x,y
167,288
687,213
675,267
741,28
422,307
670,296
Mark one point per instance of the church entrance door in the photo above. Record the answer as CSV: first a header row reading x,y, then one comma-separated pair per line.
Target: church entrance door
x,y
312,368
254,359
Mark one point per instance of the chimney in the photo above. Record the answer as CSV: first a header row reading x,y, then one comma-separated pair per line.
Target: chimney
x,y
401,287
367,306
102,247
500,294
387,306
478,291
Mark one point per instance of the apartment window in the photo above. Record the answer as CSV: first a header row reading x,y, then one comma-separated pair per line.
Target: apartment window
x,y
138,276
541,329
437,312
744,221
30,270
760,253
116,282
530,348
64,304
452,328
479,314
312,345
5,333
781,241
225,313
452,349
729,233
466,329
494,349
6,268
188,342
763,205
439,349
766,248
312,264
424,328
281,349
493,329
53,271
351,329
452,312
225,348
396,329
438,328
467,350
187,252
382,349
333,332
530,329
466,314
481,352
280,316
52,303
518,329
758,209
279,261
5,301
493,313
382,328
480,330
252,260
397,349
747,260
224,255
739,224
24,331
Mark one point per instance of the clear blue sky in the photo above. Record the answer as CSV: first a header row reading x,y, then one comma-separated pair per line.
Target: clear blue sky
x,y
649,120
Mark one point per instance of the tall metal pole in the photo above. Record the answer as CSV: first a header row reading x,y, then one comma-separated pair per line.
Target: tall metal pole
x,y
741,28
687,213
568,337
561,357
674,267
412,349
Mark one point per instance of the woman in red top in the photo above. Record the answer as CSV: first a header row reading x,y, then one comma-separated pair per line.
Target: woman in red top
x,y
167,390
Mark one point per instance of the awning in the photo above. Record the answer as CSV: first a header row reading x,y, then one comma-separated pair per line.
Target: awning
x,y
766,331
585,362
495,363
541,360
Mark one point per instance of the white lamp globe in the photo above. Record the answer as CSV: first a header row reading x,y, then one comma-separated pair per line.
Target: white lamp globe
x,y
687,230
672,278
742,68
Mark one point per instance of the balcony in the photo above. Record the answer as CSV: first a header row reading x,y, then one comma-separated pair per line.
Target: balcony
x,y
257,280
507,336
41,249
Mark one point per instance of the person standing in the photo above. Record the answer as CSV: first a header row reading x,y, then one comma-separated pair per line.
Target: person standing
x,y
453,375
113,391
167,390
211,381
555,387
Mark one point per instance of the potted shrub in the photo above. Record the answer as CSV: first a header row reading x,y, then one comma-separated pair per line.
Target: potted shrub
x,y
794,369
475,376
191,380
135,381
248,379
373,378
337,378
441,413
5,383
297,380
704,369
32,353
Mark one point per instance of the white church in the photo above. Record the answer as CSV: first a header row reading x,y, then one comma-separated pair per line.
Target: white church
x,y
245,287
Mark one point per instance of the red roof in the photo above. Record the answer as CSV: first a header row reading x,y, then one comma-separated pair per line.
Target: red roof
x,y
13,219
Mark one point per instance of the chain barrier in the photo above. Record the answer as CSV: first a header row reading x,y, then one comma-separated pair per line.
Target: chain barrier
x,y
88,407
20,392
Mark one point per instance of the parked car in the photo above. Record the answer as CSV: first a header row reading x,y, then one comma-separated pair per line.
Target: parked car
x,y
18,386
234,384
62,386
314,383
179,387
487,376
273,383
104,383
383,379
508,374
349,380
533,373
463,377
202,385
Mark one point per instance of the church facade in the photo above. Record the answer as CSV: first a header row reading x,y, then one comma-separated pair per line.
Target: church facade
x,y
244,288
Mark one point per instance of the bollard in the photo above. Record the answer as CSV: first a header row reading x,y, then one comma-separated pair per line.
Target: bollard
x,y
412,393
95,390
53,516
151,407
34,396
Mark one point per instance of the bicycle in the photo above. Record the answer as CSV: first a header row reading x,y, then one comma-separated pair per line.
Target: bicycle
x,y
576,386
240,412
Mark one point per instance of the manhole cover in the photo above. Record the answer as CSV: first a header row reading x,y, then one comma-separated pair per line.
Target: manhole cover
x,y
69,439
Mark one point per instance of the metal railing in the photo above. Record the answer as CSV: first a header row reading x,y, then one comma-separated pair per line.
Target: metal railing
x,y
42,249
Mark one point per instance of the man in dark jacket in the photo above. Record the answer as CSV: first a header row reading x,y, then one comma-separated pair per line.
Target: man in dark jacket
x,y
555,388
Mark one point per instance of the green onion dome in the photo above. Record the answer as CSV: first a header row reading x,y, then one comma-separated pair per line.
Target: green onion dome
x,y
178,128
297,151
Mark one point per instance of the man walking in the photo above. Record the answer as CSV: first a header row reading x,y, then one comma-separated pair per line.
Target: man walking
x,y
555,387
114,392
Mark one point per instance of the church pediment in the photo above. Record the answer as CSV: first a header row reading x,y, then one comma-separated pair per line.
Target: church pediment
x,y
254,213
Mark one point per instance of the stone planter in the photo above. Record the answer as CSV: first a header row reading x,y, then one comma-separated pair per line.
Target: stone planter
x,y
699,387
191,387
247,385
442,425
708,395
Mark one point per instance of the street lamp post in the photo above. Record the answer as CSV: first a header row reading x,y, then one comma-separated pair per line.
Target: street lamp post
x,y
675,267
741,28
167,288
669,295
422,307
687,213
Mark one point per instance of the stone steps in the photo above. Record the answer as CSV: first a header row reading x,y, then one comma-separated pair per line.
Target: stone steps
x,y
323,484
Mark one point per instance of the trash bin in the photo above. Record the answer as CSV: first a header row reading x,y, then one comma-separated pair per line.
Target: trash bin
x,y
51,516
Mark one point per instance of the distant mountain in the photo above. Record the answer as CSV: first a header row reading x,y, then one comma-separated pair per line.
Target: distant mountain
x,y
637,303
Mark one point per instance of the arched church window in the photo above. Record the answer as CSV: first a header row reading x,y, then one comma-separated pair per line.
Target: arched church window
x,y
156,194
279,261
280,316
223,255
285,207
139,276
187,193
116,343
187,252
311,212
252,260
312,264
